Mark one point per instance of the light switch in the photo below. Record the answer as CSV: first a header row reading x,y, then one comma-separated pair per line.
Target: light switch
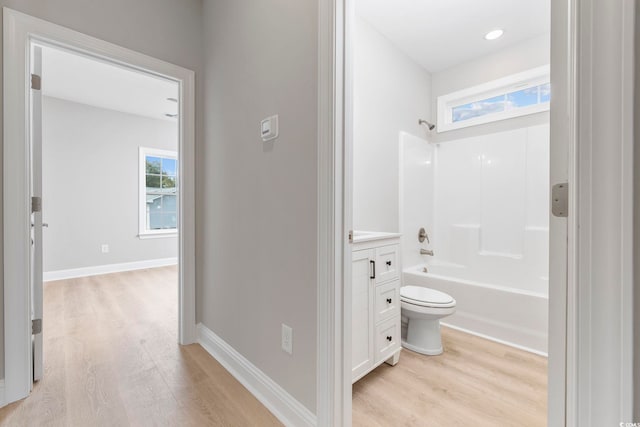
x,y
269,128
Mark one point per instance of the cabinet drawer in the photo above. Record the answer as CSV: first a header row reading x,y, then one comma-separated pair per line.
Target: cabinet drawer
x,y
387,265
387,301
387,338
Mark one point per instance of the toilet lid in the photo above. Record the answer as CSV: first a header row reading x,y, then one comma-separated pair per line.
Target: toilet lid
x,y
424,296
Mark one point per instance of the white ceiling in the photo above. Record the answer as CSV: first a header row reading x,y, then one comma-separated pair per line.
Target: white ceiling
x,y
90,81
439,34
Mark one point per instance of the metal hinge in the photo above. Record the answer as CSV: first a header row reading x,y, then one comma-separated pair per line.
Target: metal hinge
x,y
36,204
36,82
350,236
36,326
560,200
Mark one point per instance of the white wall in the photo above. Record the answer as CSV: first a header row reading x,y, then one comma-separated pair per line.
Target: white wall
x,y
164,29
391,92
257,206
521,57
90,184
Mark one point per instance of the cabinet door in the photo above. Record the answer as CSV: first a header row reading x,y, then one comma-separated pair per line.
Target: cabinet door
x,y
361,313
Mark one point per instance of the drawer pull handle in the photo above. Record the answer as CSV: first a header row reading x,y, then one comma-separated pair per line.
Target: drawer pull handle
x,y
389,263
373,266
389,338
389,300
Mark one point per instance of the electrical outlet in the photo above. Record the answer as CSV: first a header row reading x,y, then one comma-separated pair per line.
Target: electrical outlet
x,y
105,249
287,338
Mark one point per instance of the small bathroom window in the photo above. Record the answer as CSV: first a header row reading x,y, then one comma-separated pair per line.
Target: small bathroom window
x,y
512,96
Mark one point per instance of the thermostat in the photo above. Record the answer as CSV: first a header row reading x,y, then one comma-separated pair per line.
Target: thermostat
x,y
269,128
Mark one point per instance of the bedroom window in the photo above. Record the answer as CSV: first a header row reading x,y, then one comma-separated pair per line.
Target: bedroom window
x,y
158,193
512,96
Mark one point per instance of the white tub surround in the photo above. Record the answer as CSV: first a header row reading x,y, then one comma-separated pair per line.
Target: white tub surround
x,y
375,315
492,208
417,196
484,202
518,318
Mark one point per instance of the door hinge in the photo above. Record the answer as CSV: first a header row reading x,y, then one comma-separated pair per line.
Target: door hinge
x,y
350,236
36,326
560,200
36,82
36,204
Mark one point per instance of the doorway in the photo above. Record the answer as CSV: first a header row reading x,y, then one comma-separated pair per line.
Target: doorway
x,y
451,191
104,162
335,305
23,31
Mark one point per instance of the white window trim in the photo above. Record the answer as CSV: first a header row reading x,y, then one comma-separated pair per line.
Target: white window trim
x,y
526,79
143,233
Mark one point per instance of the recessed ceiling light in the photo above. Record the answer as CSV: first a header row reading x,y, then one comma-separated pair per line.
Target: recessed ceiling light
x,y
494,34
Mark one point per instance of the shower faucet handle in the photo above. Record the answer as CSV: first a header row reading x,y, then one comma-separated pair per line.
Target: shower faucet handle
x,y
422,235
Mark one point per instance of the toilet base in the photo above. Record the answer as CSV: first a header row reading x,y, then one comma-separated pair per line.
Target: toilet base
x,y
423,336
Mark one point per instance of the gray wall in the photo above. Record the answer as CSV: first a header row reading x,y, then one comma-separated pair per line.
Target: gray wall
x,y
258,211
90,184
521,57
166,29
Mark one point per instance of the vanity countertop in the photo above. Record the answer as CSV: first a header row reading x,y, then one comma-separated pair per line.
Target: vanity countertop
x,y
369,236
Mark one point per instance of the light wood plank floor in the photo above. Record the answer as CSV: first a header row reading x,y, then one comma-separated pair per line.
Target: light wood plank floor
x,y
112,359
475,382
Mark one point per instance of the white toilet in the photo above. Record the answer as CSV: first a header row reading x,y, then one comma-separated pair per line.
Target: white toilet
x,y
422,309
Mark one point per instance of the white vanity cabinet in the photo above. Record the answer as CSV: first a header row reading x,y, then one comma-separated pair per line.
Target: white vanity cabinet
x,y
375,293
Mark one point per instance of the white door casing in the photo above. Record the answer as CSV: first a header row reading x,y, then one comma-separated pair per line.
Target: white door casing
x,y
335,124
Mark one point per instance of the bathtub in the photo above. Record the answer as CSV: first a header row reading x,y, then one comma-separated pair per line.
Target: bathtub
x,y
510,316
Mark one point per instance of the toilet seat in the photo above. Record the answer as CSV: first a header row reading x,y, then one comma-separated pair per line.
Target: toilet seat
x,y
425,297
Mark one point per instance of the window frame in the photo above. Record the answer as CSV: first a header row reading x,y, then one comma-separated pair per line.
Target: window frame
x,y
512,83
143,232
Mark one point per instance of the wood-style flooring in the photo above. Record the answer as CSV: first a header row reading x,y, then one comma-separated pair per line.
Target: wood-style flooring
x,y
112,359
475,382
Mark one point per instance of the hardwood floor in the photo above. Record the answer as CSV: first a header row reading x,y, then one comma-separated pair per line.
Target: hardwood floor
x,y
112,359
475,382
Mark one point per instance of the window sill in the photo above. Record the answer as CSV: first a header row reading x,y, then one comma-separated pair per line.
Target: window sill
x,y
163,235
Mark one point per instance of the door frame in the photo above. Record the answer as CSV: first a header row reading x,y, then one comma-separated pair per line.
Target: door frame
x,y
19,31
576,364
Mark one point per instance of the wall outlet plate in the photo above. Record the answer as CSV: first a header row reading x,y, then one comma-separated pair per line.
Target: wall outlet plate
x,y
105,249
287,339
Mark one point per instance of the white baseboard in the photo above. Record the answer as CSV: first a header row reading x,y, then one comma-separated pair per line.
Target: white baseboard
x,y
284,406
2,398
109,268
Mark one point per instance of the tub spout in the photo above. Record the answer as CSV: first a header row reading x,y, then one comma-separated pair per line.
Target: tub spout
x,y
426,252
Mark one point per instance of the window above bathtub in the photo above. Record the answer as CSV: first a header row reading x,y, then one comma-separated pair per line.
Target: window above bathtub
x,y
512,96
